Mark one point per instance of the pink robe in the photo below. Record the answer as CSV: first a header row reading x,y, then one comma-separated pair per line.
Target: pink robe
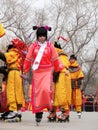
x,y
42,77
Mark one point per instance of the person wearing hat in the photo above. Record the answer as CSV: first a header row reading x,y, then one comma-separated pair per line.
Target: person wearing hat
x,y
14,59
43,59
62,90
76,81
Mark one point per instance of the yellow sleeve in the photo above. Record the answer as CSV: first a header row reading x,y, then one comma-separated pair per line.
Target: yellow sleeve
x,y
11,57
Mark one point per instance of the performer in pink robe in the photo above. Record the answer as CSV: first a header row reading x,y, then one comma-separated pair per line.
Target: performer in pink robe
x,y
43,58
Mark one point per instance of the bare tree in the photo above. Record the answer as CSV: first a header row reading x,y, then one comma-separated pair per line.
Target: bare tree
x,y
80,26
15,17
74,19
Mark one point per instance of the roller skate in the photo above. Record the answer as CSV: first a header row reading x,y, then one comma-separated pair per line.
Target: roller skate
x,y
79,114
38,117
3,115
63,117
52,117
12,117
11,120
19,117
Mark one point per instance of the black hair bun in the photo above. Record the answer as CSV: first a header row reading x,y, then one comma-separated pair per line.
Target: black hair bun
x,y
34,27
49,28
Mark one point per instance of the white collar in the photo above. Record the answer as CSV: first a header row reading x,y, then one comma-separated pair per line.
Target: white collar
x,y
41,43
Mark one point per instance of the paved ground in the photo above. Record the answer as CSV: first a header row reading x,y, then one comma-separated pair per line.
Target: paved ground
x,y
89,121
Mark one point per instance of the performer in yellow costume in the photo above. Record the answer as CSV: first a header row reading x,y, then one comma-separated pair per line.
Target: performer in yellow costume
x,y
62,90
15,97
76,81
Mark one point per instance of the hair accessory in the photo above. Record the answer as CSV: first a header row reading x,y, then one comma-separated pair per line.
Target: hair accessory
x,y
47,28
38,26
35,27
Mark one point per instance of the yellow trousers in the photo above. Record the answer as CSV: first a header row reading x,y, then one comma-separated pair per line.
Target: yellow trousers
x,y
15,96
77,99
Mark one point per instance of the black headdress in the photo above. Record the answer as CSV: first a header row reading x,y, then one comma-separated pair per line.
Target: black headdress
x,y
73,57
57,45
41,30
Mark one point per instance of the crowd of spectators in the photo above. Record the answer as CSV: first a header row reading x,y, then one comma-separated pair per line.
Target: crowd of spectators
x,y
90,102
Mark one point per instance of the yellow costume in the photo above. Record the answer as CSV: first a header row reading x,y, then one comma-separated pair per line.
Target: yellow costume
x,y
76,77
15,98
62,88
14,58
